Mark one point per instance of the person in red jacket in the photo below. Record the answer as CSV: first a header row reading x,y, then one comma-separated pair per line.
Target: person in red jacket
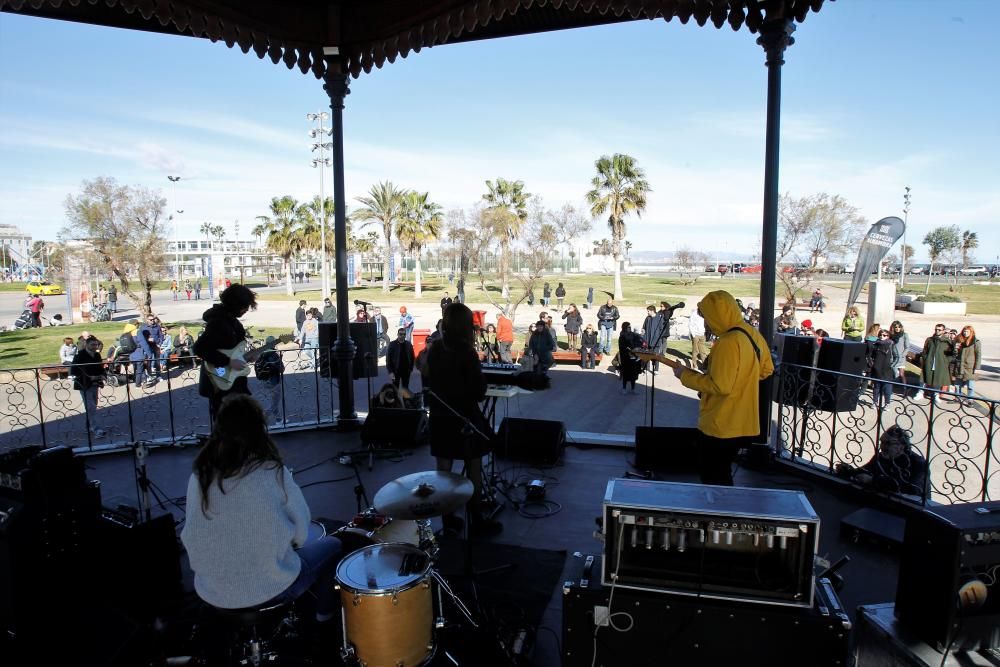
x,y
505,337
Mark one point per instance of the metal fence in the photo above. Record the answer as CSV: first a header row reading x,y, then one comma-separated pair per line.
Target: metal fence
x,y
831,423
41,405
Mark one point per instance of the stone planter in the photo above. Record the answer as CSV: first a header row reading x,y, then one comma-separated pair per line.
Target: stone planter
x,y
905,300
938,307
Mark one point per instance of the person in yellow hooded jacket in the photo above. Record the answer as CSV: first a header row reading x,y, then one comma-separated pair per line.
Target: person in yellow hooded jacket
x,y
728,416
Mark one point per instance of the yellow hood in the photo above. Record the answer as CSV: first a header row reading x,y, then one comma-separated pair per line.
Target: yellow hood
x,y
720,311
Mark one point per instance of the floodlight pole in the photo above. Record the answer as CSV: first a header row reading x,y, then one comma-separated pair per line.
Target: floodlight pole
x,y
775,37
177,251
322,161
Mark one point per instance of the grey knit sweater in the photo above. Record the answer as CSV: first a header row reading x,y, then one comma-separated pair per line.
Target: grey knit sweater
x,y
243,552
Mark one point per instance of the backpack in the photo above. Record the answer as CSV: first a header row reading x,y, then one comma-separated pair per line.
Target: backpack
x,y
269,366
126,343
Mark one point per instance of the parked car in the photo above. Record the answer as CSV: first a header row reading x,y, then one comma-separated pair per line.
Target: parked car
x,y
917,270
43,288
975,271
752,268
710,268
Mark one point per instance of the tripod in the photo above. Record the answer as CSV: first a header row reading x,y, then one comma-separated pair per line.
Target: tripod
x,y
145,488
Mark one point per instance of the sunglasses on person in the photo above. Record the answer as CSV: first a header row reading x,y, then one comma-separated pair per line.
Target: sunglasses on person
x,y
883,334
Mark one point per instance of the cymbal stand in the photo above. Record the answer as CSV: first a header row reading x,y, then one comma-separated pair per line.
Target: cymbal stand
x,y
359,489
146,489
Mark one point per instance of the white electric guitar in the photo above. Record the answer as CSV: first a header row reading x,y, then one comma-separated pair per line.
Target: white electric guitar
x,y
223,377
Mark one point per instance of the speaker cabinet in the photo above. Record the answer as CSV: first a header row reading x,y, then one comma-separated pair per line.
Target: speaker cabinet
x,y
365,364
395,427
945,550
139,563
531,440
793,385
666,448
833,392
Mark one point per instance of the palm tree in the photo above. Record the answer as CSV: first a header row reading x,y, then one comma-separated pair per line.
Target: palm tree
x,y
206,229
619,188
283,229
420,224
509,202
383,205
970,241
313,232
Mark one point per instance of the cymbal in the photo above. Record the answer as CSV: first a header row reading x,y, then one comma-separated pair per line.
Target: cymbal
x,y
423,494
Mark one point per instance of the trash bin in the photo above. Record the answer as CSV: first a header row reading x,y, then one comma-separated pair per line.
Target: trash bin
x,y
420,341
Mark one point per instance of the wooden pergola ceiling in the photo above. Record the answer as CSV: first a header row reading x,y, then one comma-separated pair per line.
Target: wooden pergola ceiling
x,y
370,33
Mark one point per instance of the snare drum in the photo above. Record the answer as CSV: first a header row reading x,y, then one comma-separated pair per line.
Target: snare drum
x,y
386,605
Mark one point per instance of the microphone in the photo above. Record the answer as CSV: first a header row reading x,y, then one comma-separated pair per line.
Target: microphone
x,y
359,302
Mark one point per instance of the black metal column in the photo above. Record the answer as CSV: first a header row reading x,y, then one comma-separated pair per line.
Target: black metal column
x,y
775,37
336,84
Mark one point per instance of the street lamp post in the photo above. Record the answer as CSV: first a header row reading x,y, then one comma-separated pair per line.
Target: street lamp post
x,y
902,252
177,250
320,134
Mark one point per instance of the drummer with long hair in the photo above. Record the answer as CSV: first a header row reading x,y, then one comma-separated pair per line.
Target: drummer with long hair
x,y
246,532
454,375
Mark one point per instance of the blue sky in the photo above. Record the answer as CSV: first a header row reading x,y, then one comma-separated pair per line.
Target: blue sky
x,y
877,95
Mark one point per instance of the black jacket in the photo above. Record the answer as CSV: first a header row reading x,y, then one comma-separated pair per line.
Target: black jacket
x,y
300,316
573,321
608,314
455,375
223,331
399,358
588,339
87,370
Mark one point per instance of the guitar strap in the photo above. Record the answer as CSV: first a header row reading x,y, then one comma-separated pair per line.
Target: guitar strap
x,y
749,338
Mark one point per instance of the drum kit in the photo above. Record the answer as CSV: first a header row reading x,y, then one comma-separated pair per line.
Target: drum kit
x,y
387,581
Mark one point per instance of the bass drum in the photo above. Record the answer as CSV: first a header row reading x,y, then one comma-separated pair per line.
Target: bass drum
x,y
387,606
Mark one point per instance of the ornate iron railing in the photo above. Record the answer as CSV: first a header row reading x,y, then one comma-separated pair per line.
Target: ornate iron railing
x,y
42,406
830,422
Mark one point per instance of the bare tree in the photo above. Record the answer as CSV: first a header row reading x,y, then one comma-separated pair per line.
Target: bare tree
x,y
812,229
569,224
686,261
126,228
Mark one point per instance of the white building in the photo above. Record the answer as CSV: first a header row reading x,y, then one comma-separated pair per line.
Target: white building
x,y
17,245
239,259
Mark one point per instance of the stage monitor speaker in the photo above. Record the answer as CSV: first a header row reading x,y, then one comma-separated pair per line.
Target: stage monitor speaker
x,y
531,440
666,448
948,592
838,393
793,385
139,564
365,363
395,427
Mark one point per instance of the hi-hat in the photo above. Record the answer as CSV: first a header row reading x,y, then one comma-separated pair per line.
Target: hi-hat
x,y
423,494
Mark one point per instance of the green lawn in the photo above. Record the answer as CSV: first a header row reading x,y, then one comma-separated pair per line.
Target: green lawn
x,y
639,290
35,347
979,299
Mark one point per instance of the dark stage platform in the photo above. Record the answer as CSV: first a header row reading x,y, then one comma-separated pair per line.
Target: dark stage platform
x,y
574,489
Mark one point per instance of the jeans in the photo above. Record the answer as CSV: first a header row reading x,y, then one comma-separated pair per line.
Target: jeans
x,y
505,355
969,385
605,339
588,357
139,368
89,396
883,390
319,567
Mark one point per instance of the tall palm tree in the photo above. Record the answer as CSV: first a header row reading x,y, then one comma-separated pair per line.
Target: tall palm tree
x,y
619,188
206,229
283,229
509,203
383,205
970,241
419,224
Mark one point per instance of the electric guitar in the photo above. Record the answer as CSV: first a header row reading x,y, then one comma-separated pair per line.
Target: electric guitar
x,y
646,355
223,377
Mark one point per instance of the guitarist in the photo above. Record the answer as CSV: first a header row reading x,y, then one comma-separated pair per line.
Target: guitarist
x,y
223,331
728,411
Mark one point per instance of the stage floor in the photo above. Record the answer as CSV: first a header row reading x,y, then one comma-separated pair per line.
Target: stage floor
x,y
577,484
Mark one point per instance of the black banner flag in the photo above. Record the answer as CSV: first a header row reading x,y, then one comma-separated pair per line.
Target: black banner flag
x,y
882,236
